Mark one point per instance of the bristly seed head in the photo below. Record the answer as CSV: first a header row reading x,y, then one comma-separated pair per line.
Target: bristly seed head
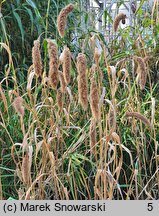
x,y
82,80
62,19
67,65
59,99
62,82
142,71
36,58
94,99
93,136
118,18
25,168
138,116
53,64
93,70
18,105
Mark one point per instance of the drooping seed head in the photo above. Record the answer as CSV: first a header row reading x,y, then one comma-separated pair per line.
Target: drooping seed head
x,y
18,105
118,18
138,116
115,137
142,71
62,19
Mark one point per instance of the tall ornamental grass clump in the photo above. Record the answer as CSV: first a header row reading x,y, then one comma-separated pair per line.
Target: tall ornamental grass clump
x,y
79,114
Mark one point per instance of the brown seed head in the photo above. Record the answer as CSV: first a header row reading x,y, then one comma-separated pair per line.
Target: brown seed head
x,y
142,72
112,119
82,81
93,136
67,65
53,64
18,105
59,99
118,18
138,116
147,58
62,82
81,64
93,70
62,19
36,58
25,168
115,137
94,99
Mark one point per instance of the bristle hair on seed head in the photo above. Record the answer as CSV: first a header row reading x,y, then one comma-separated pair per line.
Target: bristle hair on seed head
x,y
62,19
53,64
83,91
142,71
147,58
93,136
118,18
93,70
25,168
59,99
62,82
82,81
138,116
67,65
18,105
81,64
94,99
112,119
36,58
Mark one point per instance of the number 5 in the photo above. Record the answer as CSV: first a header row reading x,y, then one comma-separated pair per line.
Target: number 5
x,y
150,206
